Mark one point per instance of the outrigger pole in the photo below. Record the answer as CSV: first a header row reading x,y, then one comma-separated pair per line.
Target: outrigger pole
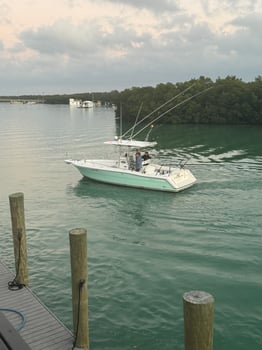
x,y
170,109
154,111
133,127
162,114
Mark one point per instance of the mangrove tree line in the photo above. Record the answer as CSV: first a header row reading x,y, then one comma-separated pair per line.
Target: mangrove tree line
x,y
225,101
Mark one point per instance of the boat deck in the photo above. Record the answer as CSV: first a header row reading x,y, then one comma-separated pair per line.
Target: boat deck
x,y
40,329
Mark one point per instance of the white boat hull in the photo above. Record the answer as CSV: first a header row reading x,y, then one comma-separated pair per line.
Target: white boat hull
x,y
152,177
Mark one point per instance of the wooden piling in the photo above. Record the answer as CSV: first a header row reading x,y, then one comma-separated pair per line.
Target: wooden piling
x,y
16,201
78,253
198,320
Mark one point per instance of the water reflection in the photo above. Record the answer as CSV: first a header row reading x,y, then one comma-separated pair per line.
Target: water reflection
x,y
130,205
211,137
89,188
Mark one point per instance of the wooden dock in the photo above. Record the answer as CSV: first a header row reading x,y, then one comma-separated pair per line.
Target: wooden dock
x,y
40,329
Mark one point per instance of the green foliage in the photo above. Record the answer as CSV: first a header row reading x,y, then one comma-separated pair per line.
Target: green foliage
x,y
229,101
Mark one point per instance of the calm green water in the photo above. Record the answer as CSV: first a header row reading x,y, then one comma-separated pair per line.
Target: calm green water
x,y
145,248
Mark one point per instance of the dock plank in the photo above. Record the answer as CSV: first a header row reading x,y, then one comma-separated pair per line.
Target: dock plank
x,y
42,329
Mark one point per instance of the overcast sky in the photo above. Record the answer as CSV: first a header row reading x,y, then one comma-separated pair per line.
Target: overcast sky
x,y
66,46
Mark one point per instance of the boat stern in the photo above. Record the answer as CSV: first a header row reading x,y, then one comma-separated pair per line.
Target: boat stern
x,y
182,179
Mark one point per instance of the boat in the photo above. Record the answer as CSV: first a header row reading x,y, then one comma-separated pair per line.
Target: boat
x,y
130,172
87,104
75,102
123,173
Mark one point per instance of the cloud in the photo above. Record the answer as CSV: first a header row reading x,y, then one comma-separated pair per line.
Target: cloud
x,y
251,21
151,5
62,37
89,39
4,12
244,42
134,47
210,7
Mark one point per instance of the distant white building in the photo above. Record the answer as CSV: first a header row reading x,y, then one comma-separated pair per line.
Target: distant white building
x,y
81,104
75,103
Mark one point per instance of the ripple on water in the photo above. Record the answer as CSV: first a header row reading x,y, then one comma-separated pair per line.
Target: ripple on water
x,y
145,249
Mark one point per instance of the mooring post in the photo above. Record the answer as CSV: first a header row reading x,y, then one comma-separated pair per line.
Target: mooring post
x,y
78,253
16,201
198,320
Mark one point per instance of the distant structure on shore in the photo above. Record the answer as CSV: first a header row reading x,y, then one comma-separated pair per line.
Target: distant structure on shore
x,y
80,104
14,100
